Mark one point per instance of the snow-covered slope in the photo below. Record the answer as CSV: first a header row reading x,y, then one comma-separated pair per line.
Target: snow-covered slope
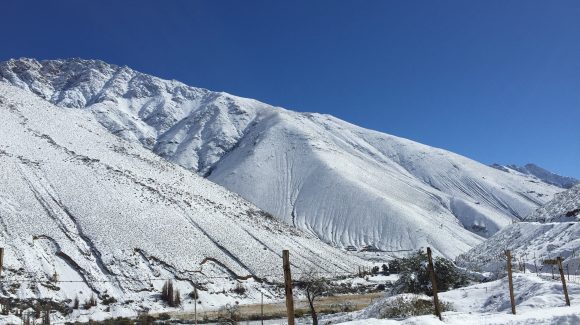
x,y
345,184
539,300
564,207
530,243
550,231
94,208
540,174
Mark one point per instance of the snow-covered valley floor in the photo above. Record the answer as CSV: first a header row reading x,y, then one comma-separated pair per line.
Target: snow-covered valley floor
x,y
538,301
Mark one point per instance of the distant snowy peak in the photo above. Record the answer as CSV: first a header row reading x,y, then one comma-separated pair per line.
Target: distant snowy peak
x,y
541,174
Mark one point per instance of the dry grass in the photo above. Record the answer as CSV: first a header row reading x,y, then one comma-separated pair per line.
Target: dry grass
x,y
325,305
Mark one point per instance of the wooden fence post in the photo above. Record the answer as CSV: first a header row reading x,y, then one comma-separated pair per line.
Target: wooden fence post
x,y
433,277
508,254
559,259
288,287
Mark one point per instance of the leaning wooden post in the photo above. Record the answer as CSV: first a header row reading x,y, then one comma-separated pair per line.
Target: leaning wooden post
x,y
433,277
288,286
559,259
508,254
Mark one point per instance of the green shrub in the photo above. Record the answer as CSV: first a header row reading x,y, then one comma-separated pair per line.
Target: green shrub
x,y
414,275
107,300
403,307
239,289
395,266
164,316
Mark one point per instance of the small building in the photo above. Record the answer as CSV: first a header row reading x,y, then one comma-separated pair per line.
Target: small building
x,y
370,248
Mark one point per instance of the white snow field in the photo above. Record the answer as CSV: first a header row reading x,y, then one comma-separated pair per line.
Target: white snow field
x,y
114,218
538,301
344,184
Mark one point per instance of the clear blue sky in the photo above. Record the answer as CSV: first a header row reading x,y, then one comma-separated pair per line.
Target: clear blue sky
x,y
497,81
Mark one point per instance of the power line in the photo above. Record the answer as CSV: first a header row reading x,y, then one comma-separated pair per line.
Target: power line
x,y
128,279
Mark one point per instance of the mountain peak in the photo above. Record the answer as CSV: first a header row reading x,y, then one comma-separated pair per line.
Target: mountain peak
x,y
55,67
191,126
66,82
540,173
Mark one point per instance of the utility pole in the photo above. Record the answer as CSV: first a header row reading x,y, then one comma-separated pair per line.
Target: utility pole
x,y
559,259
508,254
433,277
195,306
1,259
262,309
288,286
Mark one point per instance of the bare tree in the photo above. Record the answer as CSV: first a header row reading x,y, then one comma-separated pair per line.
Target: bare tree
x,y
46,315
177,298
229,314
314,287
91,302
28,318
167,293
76,302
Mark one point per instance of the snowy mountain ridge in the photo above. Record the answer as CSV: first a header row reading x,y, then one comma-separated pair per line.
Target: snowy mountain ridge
x,y
540,174
344,184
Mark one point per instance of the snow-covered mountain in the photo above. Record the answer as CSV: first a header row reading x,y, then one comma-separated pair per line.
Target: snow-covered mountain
x,y
540,174
550,231
345,184
564,207
81,203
